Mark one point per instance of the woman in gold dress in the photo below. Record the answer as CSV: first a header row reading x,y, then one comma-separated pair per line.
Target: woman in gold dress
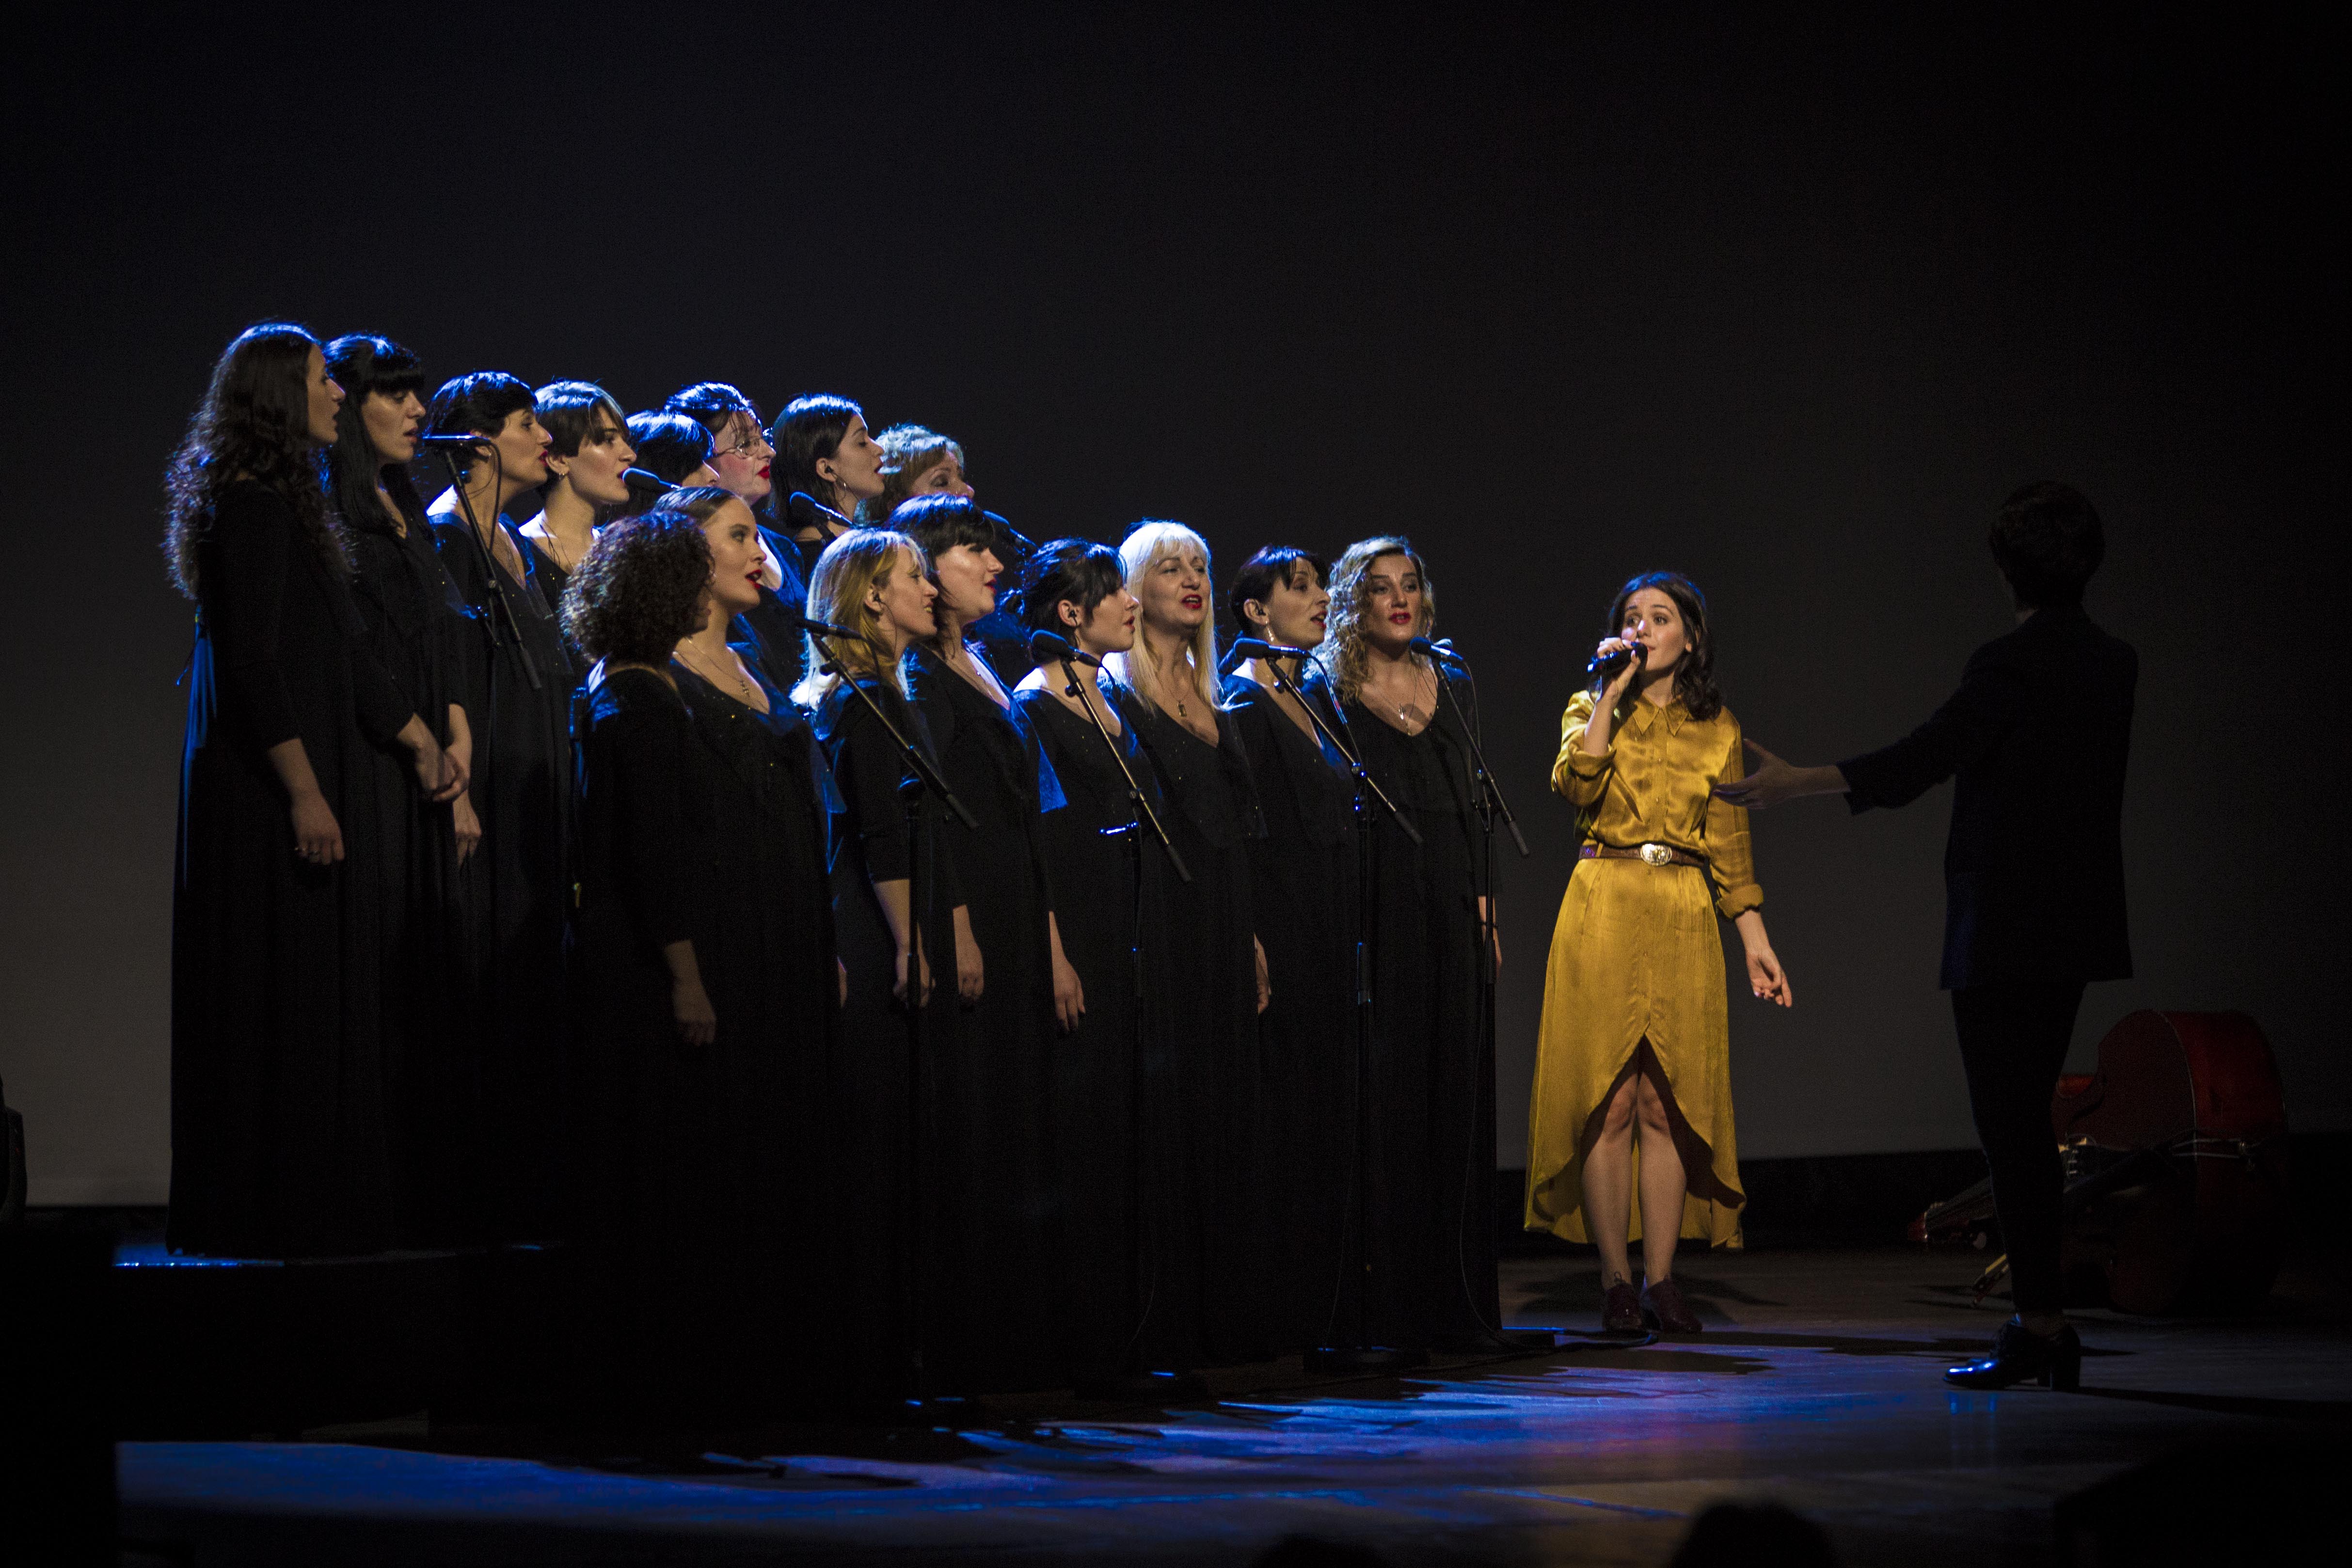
x,y
1632,1087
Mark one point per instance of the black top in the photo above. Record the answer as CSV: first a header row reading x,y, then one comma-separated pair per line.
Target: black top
x,y
771,628
282,1087
2038,735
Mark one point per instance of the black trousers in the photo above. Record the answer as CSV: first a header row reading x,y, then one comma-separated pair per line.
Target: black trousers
x,y
2014,1038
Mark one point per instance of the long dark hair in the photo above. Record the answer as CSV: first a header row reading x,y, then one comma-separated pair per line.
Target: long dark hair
x,y
254,423
363,365
807,432
1078,571
1695,676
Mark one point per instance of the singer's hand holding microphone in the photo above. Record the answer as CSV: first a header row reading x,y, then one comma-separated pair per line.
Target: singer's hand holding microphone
x,y
1618,661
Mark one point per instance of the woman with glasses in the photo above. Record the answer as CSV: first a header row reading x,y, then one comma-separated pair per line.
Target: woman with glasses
x,y
282,1122
518,883
588,453
742,459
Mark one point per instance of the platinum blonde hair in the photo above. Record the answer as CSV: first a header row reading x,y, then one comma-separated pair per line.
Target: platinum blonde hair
x,y
1149,543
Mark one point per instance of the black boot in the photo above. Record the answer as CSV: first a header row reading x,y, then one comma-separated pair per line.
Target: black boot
x,y
2020,1356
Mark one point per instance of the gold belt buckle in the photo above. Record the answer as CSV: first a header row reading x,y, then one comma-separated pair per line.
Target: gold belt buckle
x,y
1657,854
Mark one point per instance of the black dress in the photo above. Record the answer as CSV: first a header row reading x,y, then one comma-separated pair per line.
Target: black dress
x,y
517,885
770,969
1217,1065
1432,1239
281,1087
676,1163
771,628
1099,1125
883,1223
995,1085
1303,894
419,632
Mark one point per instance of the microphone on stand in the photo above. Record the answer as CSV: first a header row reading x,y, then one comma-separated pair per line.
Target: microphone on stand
x,y
1257,648
822,628
806,511
1429,650
468,441
1047,648
1021,543
646,479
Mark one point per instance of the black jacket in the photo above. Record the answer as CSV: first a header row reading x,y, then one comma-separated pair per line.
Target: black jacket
x,y
772,626
2038,735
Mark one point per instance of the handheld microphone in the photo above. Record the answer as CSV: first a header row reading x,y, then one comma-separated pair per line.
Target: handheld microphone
x,y
1429,650
1256,648
808,512
1047,648
646,479
464,443
1606,666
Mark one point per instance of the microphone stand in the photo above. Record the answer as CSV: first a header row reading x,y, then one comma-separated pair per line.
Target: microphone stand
x,y
1357,1352
915,1403
1134,1381
492,575
1490,804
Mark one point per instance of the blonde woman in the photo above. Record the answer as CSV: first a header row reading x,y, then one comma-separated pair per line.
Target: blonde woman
x,y
1430,1240
1168,693
875,585
1630,1123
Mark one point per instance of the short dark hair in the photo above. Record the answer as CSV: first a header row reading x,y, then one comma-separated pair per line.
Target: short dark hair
x,y
1078,571
2048,541
1260,574
478,404
939,522
711,405
669,445
639,589
568,410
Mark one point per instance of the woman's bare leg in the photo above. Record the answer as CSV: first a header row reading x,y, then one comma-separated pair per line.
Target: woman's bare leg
x,y
1608,1183
1664,1183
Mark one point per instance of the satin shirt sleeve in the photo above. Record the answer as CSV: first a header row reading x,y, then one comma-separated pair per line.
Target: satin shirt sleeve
x,y
1655,784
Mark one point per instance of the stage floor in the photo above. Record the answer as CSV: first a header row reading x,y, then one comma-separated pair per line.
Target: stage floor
x,y
1816,1384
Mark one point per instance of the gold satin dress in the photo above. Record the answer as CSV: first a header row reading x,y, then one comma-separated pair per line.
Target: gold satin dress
x,y
1637,957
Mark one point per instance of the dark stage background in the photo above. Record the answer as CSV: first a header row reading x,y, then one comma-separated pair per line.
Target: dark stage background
x,y
1789,305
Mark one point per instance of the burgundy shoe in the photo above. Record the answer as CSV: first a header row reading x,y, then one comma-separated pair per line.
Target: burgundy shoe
x,y
1621,1310
1663,1307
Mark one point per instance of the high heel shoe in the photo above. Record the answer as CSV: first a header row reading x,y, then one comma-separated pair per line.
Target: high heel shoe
x,y
2020,1356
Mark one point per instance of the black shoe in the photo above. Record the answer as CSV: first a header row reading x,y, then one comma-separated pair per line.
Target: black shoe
x,y
2020,1356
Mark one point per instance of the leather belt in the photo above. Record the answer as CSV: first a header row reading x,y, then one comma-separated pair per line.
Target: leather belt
x,y
1648,855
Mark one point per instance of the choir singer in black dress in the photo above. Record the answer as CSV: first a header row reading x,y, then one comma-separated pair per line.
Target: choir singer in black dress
x,y
1128,1300
518,883
875,585
418,630
744,463
588,453
680,1160
995,1087
1305,898
1430,1244
282,1087
823,451
1218,981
